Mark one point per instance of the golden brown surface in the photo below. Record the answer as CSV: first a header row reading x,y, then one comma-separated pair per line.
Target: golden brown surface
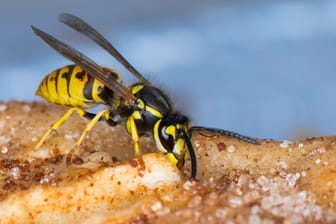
x,y
276,182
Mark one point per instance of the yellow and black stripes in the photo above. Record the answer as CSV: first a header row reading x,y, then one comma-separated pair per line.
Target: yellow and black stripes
x,y
94,119
72,86
151,105
144,108
169,134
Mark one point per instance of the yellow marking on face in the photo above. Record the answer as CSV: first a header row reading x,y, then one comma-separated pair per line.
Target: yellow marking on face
x,y
179,148
172,158
156,136
171,130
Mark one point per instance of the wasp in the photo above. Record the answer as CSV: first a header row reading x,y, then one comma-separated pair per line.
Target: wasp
x,y
144,108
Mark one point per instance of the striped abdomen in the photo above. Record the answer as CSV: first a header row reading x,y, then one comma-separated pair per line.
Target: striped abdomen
x,y
72,86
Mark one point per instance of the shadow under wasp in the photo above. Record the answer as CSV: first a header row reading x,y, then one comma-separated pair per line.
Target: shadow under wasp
x,y
144,107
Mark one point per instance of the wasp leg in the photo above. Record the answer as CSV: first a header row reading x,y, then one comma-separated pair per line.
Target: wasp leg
x,y
89,116
108,119
55,126
92,123
58,123
135,135
88,127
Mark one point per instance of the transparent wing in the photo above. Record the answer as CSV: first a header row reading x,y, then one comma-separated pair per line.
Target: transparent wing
x,y
87,64
84,28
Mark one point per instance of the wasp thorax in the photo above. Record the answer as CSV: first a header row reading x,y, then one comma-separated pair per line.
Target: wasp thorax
x,y
151,105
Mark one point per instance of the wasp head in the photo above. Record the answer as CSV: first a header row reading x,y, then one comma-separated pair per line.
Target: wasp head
x,y
172,139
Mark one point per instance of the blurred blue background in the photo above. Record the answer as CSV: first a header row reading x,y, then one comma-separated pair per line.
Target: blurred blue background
x,y
262,68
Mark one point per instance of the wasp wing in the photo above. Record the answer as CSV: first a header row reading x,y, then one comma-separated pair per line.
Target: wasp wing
x,y
84,28
87,64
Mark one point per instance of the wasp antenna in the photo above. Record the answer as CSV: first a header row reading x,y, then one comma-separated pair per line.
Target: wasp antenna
x,y
192,156
227,133
84,28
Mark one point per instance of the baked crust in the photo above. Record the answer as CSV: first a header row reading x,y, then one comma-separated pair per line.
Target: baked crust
x,y
277,181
